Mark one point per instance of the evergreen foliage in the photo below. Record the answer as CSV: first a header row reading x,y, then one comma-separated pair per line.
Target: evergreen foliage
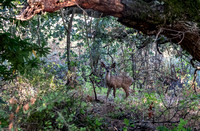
x,y
184,9
18,55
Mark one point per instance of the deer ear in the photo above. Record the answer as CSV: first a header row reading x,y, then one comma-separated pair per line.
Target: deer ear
x,y
113,65
102,64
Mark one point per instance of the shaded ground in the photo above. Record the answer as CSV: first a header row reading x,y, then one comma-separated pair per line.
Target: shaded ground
x,y
133,114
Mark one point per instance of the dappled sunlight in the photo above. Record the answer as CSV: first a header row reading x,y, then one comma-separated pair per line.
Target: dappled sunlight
x,y
112,65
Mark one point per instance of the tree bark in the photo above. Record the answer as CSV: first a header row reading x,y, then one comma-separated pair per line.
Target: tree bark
x,y
144,15
38,31
68,30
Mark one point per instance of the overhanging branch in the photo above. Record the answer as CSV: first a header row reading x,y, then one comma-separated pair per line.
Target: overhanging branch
x,y
146,16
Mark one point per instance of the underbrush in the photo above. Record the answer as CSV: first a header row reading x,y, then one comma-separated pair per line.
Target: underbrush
x,y
52,106
42,101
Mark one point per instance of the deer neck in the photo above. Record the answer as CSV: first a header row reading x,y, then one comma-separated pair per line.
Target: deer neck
x,y
108,76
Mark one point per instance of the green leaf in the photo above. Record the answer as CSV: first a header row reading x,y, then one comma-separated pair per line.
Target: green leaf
x,y
97,122
126,122
162,128
125,129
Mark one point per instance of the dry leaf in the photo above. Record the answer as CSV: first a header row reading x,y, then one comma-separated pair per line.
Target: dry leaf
x,y
32,101
10,126
11,116
34,53
13,101
17,110
26,107
89,98
150,110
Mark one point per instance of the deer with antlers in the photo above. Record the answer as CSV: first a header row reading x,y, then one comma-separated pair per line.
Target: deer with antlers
x,y
119,81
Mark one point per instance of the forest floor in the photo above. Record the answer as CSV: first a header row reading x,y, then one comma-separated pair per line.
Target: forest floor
x,y
135,112
142,110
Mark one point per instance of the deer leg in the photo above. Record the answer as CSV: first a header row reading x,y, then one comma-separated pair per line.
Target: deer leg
x,y
109,89
114,90
126,90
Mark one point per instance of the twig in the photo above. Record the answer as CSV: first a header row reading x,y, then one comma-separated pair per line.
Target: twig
x,y
160,30
197,68
64,121
63,19
158,48
193,83
81,8
182,38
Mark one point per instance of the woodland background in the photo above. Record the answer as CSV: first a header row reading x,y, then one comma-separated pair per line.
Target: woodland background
x,y
51,77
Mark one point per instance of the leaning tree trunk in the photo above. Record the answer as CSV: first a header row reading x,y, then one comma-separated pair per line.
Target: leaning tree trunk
x,y
144,15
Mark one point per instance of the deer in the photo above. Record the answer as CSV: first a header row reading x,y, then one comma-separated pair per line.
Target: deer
x,y
118,81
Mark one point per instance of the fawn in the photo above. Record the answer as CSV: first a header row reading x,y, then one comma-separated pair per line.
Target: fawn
x,y
119,81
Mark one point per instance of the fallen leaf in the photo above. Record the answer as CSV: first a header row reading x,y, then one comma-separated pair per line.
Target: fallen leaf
x,y
26,107
13,101
32,100
11,116
89,98
10,126
17,110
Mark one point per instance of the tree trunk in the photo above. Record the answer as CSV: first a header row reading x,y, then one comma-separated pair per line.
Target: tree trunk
x,y
144,15
38,31
68,29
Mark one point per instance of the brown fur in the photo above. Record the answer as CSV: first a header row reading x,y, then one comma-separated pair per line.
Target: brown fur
x,y
120,81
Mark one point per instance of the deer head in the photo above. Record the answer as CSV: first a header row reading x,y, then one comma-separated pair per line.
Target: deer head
x,y
119,81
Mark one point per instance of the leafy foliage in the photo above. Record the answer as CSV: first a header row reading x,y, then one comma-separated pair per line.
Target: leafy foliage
x,y
161,91
180,127
18,55
7,3
187,9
